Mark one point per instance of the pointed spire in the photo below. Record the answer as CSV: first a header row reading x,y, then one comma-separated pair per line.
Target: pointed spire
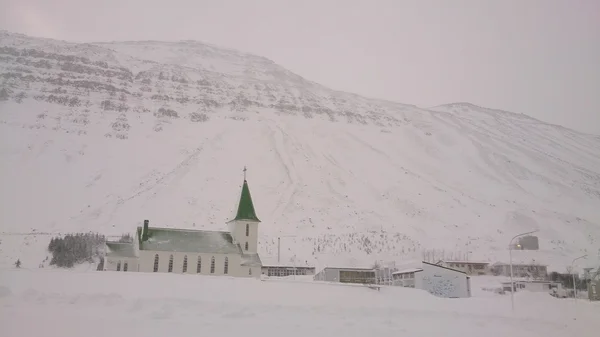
x,y
246,207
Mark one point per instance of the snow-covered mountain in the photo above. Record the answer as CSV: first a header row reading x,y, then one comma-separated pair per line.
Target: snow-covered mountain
x,y
102,136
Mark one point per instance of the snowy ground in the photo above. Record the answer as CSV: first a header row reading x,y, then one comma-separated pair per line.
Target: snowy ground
x,y
68,303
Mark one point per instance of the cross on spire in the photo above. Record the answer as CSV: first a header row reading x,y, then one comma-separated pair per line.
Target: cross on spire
x,y
244,173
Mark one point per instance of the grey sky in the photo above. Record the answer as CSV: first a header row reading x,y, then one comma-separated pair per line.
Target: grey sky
x,y
539,57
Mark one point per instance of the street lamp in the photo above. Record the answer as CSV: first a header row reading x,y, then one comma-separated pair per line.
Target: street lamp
x,y
573,271
512,285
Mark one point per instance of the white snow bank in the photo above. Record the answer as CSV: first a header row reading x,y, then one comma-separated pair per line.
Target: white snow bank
x,y
62,303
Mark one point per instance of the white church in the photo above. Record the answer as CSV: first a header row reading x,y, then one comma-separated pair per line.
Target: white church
x,y
170,250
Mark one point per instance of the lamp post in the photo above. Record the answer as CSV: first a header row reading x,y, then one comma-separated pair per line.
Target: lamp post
x,y
512,285
573,271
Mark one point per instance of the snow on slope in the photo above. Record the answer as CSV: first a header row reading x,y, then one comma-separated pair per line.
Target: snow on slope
x,y
100,137
131,304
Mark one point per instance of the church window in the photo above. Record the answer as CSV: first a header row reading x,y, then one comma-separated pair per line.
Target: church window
x,y
250,271
184,270
155,263
119,266
246,246
125,266
171,264
226,266
247,229
199,265
212,265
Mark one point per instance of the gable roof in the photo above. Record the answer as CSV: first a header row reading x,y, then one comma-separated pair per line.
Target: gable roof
x,y
189,241
246,207
120,249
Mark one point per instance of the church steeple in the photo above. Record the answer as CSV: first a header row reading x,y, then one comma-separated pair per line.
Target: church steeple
x,y
246,207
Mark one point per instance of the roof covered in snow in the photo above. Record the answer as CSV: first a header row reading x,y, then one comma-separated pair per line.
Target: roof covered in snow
x,y
251,260
191,241
120,249
405,271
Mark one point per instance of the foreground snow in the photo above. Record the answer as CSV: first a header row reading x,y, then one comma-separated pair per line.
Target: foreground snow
x,y
51,302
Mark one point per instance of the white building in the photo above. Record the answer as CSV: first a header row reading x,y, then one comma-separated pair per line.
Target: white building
x,y
346,275
533,270
407,278
170,250
436,279
469,267
283,270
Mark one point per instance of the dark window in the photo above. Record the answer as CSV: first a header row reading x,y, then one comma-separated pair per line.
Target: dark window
x,y
184,270
246,246
119,266
226,266
199,265
155,263
247,230
171,264
125,266
212,265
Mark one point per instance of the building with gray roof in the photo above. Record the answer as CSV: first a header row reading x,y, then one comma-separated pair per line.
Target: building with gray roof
x,y
174,250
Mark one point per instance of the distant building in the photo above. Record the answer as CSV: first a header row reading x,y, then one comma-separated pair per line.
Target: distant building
x,y
534,286
536,271
281,271
594,285
347,275
528,242
436,279
405,277
469,267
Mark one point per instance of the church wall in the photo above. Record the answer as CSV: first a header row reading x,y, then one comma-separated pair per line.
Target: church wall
x,y
111,262
147,263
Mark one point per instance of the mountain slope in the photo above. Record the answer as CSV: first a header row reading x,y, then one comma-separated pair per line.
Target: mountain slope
x,y
102,136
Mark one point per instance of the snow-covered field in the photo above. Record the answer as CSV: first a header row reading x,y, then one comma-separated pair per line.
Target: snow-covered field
x,y
74,304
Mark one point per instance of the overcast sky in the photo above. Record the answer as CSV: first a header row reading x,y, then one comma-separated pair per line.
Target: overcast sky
x,y
538,57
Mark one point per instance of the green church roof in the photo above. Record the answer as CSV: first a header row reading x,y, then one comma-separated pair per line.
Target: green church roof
x,y
246,207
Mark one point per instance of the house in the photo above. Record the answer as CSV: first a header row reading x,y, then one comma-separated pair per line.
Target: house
x,y
287,270
533,285
469,267
171,250
346,275
438,280
533,270
406,277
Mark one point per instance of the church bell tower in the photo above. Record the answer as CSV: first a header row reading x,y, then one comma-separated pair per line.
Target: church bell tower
x,y
244,227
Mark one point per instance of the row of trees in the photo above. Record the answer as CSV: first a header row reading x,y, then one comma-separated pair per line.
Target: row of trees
x,y
72,249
